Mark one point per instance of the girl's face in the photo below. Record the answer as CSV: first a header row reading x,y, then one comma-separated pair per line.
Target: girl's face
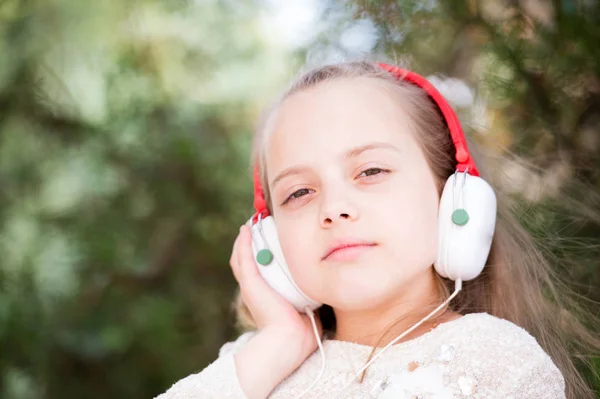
x,y
354,200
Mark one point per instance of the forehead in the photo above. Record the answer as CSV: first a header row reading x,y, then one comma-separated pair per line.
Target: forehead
x,y
333,116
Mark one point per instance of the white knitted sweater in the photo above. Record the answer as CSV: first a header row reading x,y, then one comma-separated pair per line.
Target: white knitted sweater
x,y
476,356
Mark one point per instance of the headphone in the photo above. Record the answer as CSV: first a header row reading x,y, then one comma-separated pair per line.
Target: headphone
x,y
466,215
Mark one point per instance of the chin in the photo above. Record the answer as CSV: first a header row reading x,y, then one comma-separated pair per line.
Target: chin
x,y
363,294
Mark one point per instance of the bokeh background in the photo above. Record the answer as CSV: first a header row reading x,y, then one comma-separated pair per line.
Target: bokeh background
x,y
125,129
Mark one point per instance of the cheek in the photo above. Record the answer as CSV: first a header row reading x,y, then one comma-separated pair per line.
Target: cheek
x,y
300,251
413,225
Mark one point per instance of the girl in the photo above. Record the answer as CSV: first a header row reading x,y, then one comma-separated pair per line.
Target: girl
x,y
355,164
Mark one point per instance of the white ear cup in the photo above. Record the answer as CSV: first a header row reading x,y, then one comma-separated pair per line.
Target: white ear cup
x,y
275,270
464,243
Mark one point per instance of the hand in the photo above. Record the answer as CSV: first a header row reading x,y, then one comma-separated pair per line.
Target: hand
x,y
285,337
268,308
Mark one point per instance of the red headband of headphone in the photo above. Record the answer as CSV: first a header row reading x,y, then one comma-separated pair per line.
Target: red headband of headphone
x,y
458,137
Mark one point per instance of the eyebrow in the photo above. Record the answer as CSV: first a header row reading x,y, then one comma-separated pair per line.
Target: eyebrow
x,y
356,151
351,153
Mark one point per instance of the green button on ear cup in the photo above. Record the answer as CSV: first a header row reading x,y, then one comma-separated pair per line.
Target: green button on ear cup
x,y
460,217
264,257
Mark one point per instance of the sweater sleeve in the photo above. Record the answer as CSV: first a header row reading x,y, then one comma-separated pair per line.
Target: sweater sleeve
x,y
542,381
218,380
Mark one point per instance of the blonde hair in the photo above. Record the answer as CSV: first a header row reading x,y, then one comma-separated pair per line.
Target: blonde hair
x,y
518,283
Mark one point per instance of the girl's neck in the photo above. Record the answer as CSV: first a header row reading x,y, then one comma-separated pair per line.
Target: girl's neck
x,y
379,325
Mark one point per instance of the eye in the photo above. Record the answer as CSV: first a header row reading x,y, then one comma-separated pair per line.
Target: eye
x,y
372,172
297,194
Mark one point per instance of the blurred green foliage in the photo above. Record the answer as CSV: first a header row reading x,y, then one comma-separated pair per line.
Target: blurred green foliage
x,y
124,139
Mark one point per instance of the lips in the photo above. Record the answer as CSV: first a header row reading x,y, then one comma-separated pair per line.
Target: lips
x,y
347,248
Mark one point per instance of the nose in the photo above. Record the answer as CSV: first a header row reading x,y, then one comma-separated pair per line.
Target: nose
x,y
336,211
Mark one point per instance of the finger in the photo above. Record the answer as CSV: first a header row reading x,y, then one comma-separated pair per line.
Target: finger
x,y
233,260
245,257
